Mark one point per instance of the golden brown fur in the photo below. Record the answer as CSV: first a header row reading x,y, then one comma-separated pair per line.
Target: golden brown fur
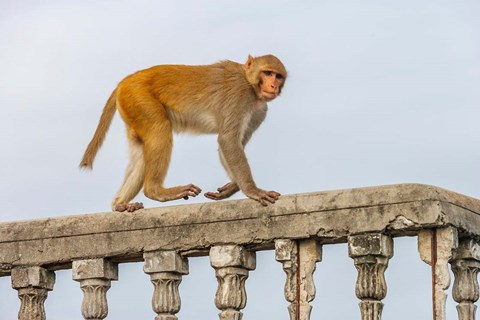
x,y
227,98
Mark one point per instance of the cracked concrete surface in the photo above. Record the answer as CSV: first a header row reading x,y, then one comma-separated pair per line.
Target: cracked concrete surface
x,y
330,217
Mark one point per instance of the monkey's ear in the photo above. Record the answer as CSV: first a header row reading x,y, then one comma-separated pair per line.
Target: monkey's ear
x,y
249,62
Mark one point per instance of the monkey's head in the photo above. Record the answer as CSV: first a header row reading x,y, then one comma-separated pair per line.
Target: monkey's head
x,y
267,75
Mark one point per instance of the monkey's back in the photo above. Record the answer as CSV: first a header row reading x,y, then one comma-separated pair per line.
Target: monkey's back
x,y
195,97
179,85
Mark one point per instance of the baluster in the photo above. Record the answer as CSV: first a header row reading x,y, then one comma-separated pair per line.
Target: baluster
x,y
286,252
370,253
33,284
436,249
95,276
165,269
231,263
465,266
299,260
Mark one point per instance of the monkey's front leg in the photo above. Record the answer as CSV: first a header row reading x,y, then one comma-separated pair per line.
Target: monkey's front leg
x,y
223,192
237,165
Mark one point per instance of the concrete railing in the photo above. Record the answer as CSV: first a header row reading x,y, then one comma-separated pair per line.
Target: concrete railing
x,y
230,232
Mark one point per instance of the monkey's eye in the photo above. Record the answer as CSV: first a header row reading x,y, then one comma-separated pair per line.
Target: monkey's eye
x,y
279,76
267,72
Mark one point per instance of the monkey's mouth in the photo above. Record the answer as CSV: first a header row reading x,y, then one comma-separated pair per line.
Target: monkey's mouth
x,y
268,94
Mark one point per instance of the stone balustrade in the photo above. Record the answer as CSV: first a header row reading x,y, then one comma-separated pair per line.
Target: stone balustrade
x,y
447,225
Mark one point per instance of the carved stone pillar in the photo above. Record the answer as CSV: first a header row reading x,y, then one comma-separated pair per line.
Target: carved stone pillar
x,y
165,269
436,249
231,263
371,253
299,260
95,276
33,284
465,266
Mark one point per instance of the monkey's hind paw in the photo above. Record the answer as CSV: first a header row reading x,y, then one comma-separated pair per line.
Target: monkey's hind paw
x,y
190,190
129,207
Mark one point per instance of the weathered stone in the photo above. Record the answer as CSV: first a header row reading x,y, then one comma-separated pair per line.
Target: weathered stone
x,y
436,249
465,266
164,261
332,216
371,253
374,244
94,268
33,284
91,242
165,269
37,277
468,249
95,277
231,264
286,252
232,256
299,259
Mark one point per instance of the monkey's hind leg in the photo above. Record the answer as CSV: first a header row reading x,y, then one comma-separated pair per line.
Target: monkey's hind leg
x,y
134,177
157,150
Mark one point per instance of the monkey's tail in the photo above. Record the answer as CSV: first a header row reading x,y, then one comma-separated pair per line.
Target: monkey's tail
x,y
101,132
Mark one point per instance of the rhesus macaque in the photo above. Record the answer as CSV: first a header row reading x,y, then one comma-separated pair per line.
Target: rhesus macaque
x,y
226,98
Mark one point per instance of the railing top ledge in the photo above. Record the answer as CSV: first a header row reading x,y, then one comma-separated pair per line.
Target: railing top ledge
x,y
398,209
234,210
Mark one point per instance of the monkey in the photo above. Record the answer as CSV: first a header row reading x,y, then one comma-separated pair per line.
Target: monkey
x,y
225,98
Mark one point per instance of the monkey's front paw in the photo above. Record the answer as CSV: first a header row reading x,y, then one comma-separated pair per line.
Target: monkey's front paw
x,y
223,192
264,197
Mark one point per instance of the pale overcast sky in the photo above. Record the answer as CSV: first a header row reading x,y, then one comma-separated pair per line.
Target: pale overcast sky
x,y
379,92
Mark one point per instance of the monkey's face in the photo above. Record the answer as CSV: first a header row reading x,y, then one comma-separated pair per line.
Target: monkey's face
x,y
271,83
